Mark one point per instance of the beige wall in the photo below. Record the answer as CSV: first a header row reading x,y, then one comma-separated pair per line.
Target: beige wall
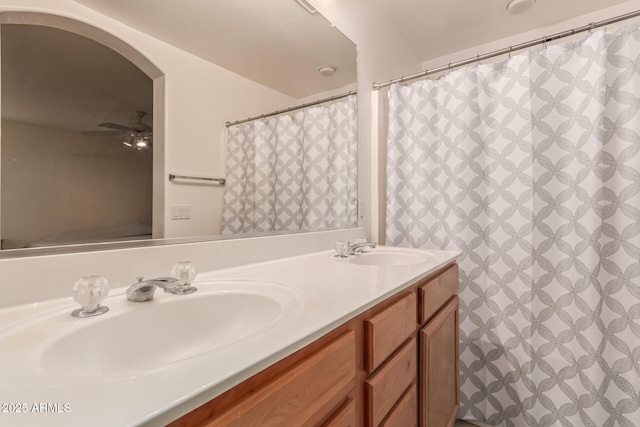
x,y
56,181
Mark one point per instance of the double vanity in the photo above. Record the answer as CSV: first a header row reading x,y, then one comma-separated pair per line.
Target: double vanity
x,y
366,340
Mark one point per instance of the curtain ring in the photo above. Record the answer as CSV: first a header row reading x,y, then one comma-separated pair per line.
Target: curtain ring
x,y
509,51
591,26
449,67
545,42
478,60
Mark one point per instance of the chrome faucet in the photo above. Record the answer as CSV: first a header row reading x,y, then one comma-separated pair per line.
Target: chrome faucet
x,y
359,247
144,289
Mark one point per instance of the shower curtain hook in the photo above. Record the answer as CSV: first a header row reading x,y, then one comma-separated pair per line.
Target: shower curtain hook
x,y
478,59
545,42
509,51
591,26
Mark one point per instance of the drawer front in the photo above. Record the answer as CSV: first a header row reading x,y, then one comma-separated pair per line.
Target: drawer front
x,y
306,394
437,291
387,330
405,414
387,385
345,417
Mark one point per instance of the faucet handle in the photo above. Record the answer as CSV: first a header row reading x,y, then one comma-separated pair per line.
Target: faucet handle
x,y
341,248
185,272
89,292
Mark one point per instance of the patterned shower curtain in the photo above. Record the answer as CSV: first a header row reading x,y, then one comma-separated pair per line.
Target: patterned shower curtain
x,y
295,171
531,167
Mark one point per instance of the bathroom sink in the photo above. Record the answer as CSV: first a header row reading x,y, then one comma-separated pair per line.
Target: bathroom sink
x,y
391,257
150,336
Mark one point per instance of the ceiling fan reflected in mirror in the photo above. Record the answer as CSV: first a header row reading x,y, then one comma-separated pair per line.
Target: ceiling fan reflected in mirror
x,y
138,135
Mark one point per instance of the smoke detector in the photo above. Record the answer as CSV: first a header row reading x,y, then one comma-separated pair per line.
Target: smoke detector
x,y
327,70
516,7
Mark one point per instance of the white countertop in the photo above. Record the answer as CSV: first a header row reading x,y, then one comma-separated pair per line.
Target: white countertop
x,y
326,292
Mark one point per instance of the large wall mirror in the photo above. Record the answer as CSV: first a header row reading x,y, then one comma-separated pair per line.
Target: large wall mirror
x,y
90,137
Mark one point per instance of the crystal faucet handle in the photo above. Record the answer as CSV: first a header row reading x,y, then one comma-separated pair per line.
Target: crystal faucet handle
x,y
185,272
89,292
341,248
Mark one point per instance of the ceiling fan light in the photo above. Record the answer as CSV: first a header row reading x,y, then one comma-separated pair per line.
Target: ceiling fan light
x,y
140,141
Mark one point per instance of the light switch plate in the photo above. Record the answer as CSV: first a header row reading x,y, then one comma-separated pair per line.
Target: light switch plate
x,y
180,212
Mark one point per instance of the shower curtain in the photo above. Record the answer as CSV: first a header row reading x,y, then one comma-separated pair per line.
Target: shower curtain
x,y
295,171
531,167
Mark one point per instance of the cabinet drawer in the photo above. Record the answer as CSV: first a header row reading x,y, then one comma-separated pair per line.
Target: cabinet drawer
x,y
388,384
387,330
436,292
345,417
303,395
405,414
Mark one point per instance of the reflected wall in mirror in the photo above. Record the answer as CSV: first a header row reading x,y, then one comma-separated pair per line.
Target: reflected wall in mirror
x,y
76,160
220,62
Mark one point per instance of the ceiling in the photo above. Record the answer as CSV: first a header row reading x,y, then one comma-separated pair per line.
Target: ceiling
x,y
434,28
274,42
255,37
58,79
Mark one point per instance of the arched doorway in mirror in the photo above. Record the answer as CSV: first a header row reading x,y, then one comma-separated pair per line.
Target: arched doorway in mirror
x,y
79,140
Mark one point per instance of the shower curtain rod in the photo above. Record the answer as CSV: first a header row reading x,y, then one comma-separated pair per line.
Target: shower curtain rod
x,y
510,49
298,107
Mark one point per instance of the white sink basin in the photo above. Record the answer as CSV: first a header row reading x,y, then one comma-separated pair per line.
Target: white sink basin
x,y
135,339
391,257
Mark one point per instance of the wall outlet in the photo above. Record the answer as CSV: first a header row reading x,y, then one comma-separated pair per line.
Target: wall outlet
x,y
181,212
361,207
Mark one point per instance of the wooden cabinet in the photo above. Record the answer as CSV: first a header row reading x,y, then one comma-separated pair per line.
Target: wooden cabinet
x,y
388,329
404,414
306,393
385,388
344,416
395,365
435,293
391,334
439,383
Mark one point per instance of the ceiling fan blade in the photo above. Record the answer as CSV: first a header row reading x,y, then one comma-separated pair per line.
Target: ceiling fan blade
x,y
102,133
114,126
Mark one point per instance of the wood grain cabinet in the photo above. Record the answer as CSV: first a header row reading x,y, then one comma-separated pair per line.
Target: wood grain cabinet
x,y
395,365
439,400
308,390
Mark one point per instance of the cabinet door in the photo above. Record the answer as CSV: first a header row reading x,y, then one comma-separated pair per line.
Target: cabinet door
x,y
439,383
